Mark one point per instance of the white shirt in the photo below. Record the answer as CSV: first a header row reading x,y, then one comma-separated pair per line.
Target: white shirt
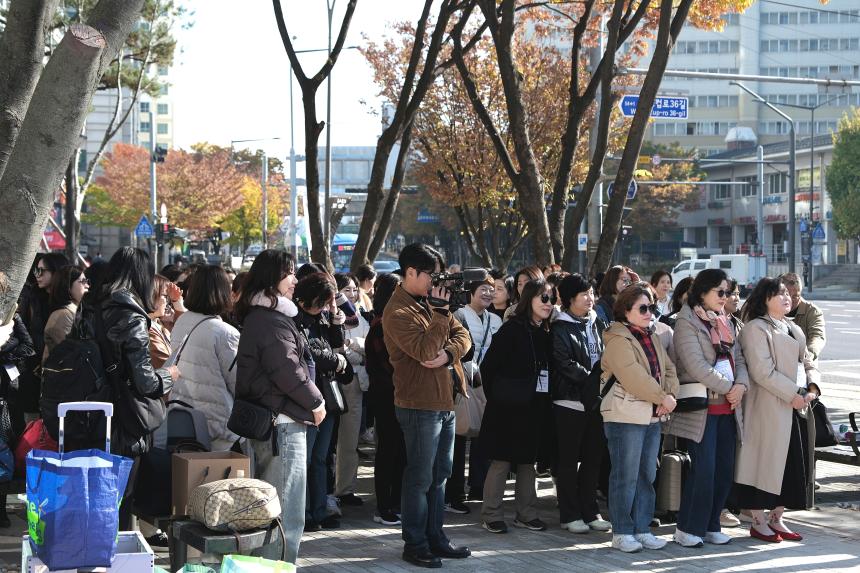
x,y
477,325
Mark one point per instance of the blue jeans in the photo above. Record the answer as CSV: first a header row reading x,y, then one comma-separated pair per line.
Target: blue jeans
x,y
633,450
319,440
709,481
287,472
429,438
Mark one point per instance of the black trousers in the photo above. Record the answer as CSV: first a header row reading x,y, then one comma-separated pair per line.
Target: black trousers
x,y
581,444
455,488
390,455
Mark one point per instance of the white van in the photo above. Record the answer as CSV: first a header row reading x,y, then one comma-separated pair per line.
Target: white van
x,y
745,269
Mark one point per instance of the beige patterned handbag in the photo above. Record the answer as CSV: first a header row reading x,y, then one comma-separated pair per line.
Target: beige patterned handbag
x,y
237,504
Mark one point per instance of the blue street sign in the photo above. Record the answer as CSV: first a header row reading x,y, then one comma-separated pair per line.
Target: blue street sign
x,y
144,229
426,217
818,232
631,189
664,107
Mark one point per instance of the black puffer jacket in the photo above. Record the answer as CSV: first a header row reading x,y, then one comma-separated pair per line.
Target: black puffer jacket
x,y
571,359
323,337
15,352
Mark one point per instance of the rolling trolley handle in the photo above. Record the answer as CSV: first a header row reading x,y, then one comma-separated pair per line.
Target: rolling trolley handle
x,y
67,407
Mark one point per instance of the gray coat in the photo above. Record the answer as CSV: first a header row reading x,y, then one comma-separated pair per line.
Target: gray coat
x,y
695,359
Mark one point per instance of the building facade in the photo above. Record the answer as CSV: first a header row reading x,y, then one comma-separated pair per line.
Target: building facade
x,y
802,38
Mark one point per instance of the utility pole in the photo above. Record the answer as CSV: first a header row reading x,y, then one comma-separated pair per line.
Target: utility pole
x,y
327,208
153,207
264,180
760,207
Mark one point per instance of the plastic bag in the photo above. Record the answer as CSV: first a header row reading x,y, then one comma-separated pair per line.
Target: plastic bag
x,y
247,564
73,506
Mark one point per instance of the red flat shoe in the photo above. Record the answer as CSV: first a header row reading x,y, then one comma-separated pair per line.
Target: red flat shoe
x,y
787,535
775,538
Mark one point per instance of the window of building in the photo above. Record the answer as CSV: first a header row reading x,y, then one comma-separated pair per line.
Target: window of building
x,y
162,129
751,189
722,192
777,183
162,109
162,70
163,90
144,126
144,107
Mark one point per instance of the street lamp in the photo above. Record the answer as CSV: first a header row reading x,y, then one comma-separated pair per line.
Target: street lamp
x,y
811,109
166,255
792,152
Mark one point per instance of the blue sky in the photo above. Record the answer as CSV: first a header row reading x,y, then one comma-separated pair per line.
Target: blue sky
x,y
230,79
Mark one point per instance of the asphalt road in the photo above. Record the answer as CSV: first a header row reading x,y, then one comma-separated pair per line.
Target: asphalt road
x,y
842,322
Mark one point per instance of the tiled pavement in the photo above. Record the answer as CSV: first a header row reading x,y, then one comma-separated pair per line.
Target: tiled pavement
x,y
832,541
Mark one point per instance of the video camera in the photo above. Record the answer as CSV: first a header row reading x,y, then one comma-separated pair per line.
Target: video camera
x,y
455,283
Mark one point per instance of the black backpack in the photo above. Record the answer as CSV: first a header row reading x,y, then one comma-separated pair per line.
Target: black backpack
x,y
74,372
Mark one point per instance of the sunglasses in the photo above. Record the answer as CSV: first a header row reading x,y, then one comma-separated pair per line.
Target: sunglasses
x,y
83,281
646,308
545,298
723,293
39,271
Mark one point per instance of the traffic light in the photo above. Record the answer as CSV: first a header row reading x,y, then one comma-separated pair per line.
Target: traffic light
x,y
159,234
159,154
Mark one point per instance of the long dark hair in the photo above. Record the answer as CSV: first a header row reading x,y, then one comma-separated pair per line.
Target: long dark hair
x,y
383,288
61,285
533,272
315,290
756,304
209,291
130,269
268,270
678,294
610,279
523,310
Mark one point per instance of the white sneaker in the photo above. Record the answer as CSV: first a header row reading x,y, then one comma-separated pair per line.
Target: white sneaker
x,y
331,505
687,539
626,543
577,526
600,524
648,541
717,538
745,517
728,519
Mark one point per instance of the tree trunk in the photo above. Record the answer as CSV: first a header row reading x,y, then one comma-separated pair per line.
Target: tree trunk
x,y
319,252
668,30
22,49
72,226
393,194
50,132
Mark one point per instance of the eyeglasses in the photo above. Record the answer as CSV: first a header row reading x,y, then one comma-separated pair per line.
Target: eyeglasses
x,y
545,298
723,293
646,308
39,271
735,293
84,281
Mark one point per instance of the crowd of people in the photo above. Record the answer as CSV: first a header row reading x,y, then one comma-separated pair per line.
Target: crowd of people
x,y
584,379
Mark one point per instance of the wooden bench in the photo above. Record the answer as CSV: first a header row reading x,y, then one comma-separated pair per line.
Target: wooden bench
x,y
184,533
843,453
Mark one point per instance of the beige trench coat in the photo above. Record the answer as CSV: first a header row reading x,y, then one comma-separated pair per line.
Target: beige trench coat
x,y
771,358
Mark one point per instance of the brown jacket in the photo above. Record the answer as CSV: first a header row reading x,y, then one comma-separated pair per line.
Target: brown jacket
x,y
413,335
58,327
810,319
772,358
631,399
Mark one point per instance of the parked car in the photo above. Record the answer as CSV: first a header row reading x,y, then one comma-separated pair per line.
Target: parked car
x,y
385,266
746,269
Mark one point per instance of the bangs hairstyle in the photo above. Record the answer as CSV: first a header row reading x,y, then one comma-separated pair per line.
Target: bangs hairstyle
x,y
756,304
626,299
473,286
532,289
130,269
61,285
570,287
315,290
655,278
533,272
706,280
383,288
209,291
607,285
159,288
421,257
365,273
342,280
267,271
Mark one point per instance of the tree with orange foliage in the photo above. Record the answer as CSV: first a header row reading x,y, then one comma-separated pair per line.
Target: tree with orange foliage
x,y
199,188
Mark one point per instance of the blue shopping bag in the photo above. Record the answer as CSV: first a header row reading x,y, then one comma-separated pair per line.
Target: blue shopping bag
x,y
73,500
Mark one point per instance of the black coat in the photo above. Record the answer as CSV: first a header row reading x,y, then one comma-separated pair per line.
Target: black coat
x,y
272,365
511,432
34,311
571,360
323,337
16,352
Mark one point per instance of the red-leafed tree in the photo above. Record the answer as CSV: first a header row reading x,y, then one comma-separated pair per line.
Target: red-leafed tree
x,y
199,187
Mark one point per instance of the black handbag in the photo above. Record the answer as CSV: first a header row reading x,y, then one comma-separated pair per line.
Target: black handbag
x,y
250,420
824,434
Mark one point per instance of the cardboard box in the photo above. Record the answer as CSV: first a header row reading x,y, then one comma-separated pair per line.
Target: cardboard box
x,y
133,555
196,468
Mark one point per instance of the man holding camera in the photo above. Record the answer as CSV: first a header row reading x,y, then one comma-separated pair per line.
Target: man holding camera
x,y
425,343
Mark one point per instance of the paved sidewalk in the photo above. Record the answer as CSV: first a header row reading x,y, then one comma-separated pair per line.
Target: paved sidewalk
x,y
831,543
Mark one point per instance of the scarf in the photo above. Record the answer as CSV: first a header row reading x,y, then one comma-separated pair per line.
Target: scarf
x,y
284,305
718,328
